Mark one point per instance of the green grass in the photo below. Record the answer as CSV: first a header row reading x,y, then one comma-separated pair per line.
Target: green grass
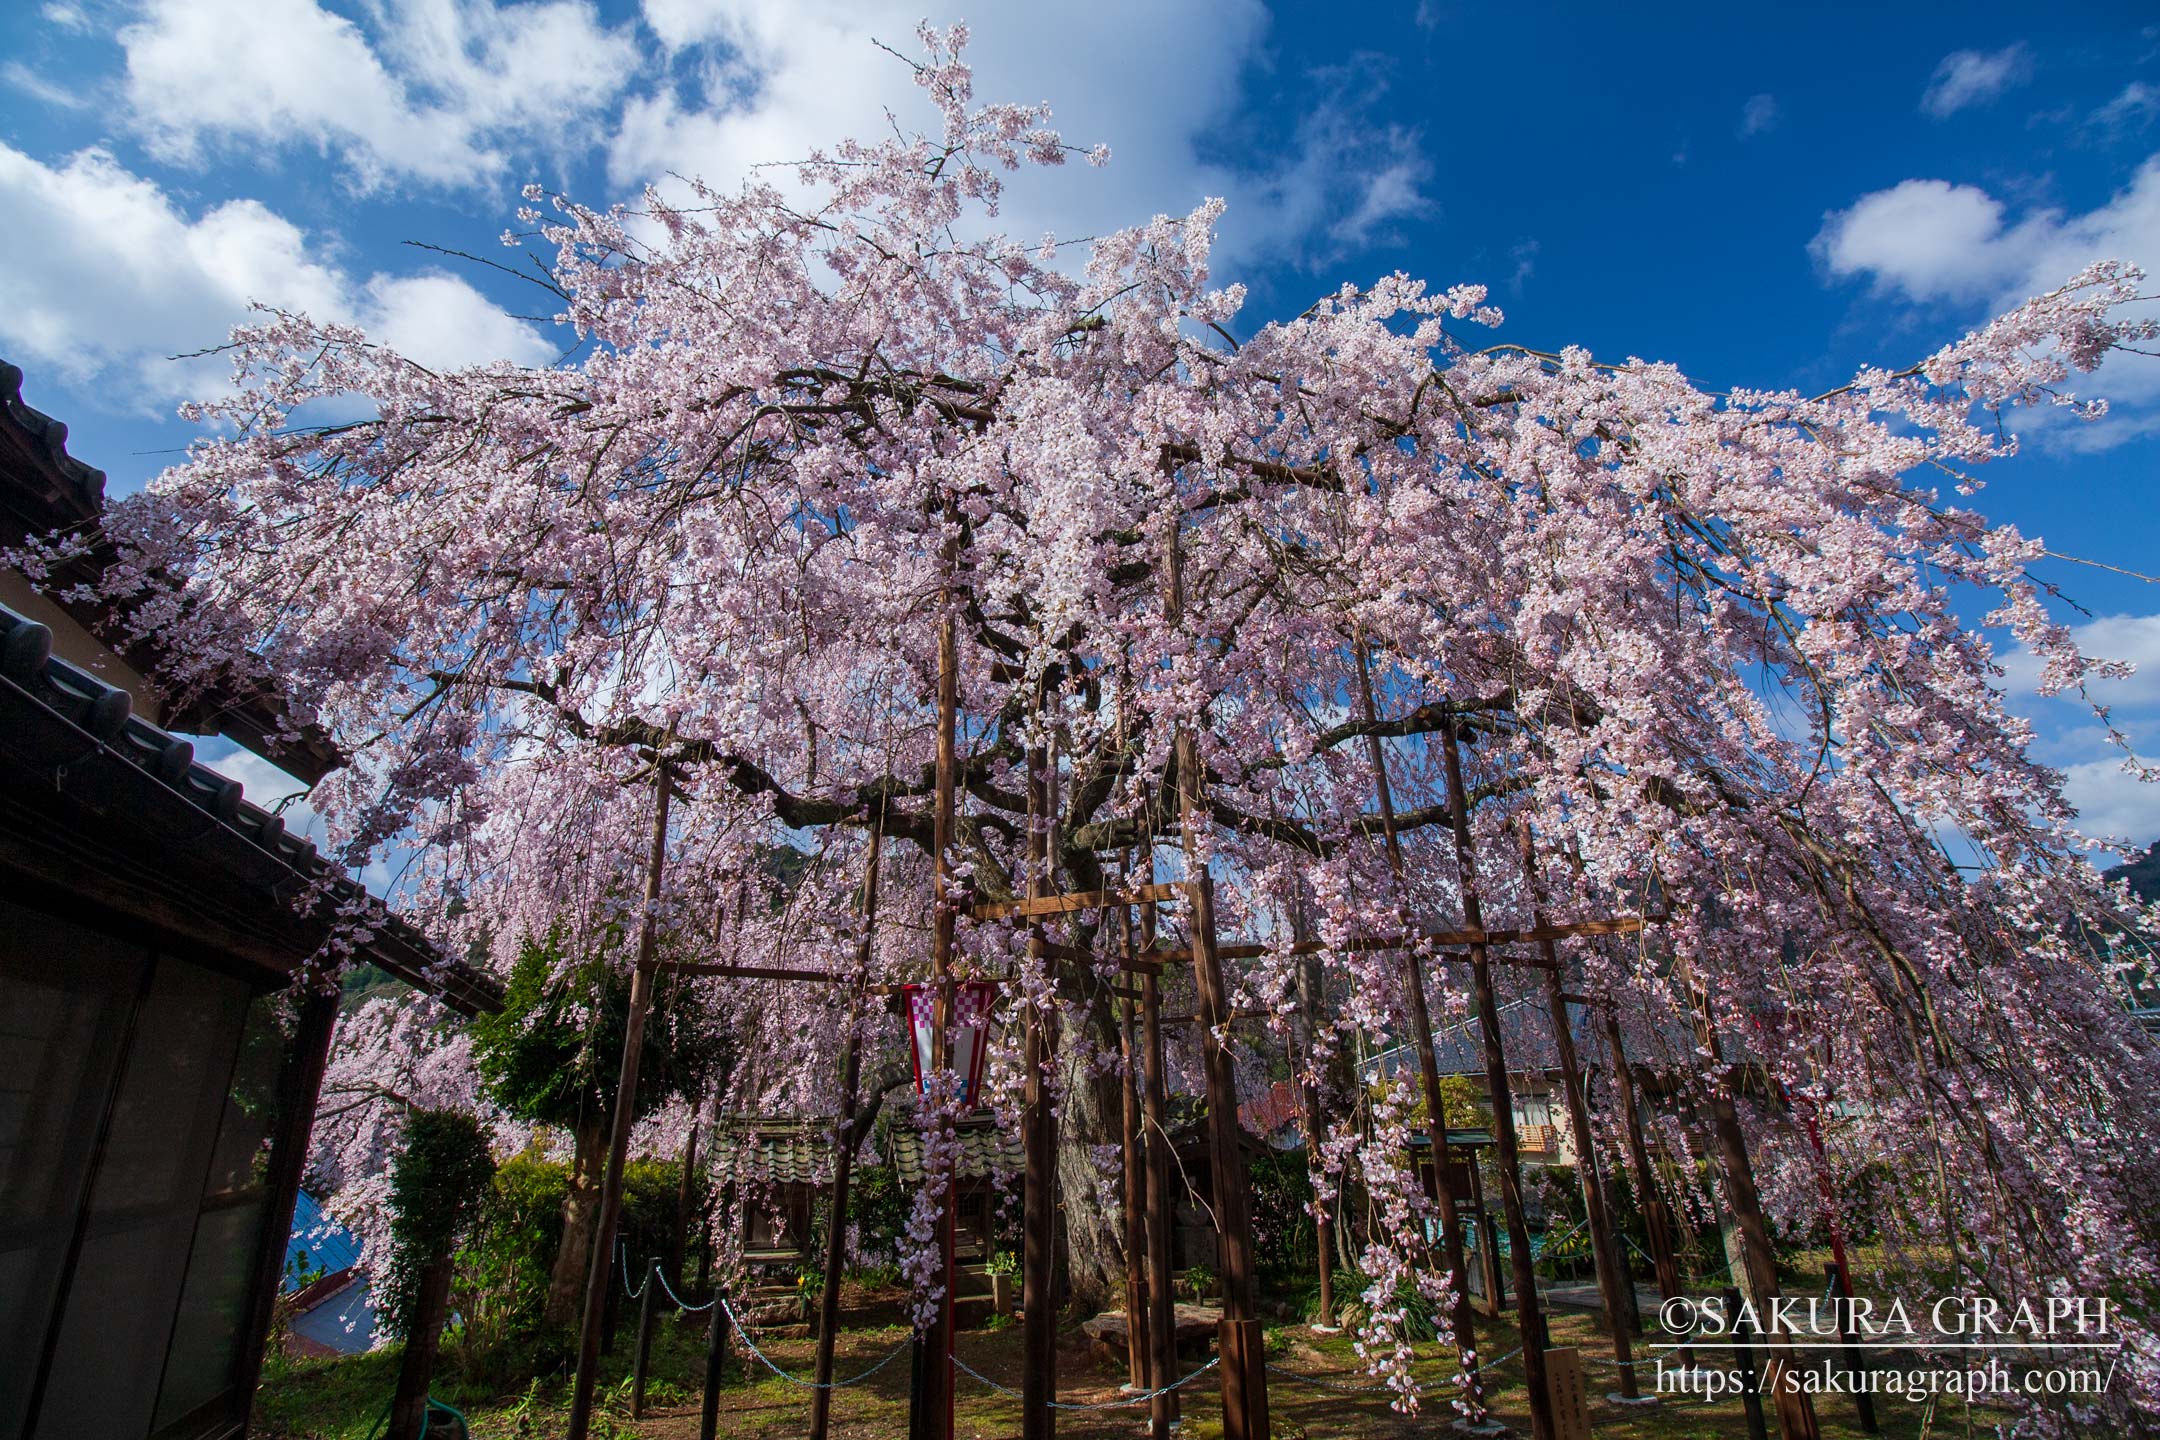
x,y
340,1399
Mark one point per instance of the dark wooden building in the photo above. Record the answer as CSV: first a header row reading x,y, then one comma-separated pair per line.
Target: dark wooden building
x,y
158,1071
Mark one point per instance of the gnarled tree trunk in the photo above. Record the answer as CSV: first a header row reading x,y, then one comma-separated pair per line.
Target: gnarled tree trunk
x,y
1089,1197
581,1207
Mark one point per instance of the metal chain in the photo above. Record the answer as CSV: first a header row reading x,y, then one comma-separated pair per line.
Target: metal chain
x,y
1140,1399
652,1268
766,1360
1326,1384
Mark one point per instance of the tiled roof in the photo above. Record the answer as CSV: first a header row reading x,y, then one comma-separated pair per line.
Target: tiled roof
x,y
777,1152
96,784
67,491
44,489
985,1150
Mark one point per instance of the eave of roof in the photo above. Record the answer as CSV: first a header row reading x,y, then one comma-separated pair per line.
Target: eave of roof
x,y
109,787
44,489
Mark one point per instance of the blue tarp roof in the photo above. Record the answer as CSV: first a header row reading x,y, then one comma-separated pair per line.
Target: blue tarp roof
x,y
319,1245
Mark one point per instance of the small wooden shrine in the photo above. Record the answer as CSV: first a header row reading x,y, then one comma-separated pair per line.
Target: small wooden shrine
x,y
985,1153
776,1169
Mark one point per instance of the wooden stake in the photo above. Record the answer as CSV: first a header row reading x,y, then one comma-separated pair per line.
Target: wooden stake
x,y
1244,1376
1136,1350
1038,1341
1529,1315
715,1361
1612,1274
1436,1116
1649,1194
843,1142
938,1375
1162,1312
1795,1410
641,1358
1308,1093
598,1279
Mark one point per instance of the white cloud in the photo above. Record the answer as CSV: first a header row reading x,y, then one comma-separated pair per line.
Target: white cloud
x,y
111,276
1524,254
21,77
1931,241
2134,108
767,81
429,101
2110,800
2131,638
1972,77
2113,803
1759,114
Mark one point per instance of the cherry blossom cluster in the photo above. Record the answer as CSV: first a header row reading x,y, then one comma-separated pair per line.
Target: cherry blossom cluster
x,y
1706,646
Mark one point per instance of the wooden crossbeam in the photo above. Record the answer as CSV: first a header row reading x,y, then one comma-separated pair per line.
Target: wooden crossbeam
x,y
748,972
1077,900
1623,925
1235,1015
1074,955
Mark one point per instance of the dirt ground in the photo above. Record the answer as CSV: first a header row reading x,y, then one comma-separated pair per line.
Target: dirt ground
x,y
1300,1409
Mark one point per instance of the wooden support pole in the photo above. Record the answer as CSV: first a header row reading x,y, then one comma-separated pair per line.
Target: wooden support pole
x,y
938,1375
679,1244
844,1142
1129,1172
640,1362
1612,1277
1155,1102
1743,1203
1421,1042
299,1085
715,1362
1309,986
1855,1359
598,1280
1244,1374
1649,1193
1795,1409
1743,1354
1529,1316
1038,1341
747,972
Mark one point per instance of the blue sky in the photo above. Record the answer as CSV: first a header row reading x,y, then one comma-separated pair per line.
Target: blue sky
x,y
1754,198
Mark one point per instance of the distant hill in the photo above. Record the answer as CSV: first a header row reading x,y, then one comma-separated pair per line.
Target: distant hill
x,y
2143,874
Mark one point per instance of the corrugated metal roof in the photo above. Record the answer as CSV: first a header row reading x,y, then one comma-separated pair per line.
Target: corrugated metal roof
x,y
319,1245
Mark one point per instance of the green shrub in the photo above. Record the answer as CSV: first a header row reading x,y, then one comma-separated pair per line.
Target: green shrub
x,y
504,1267
437,1187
